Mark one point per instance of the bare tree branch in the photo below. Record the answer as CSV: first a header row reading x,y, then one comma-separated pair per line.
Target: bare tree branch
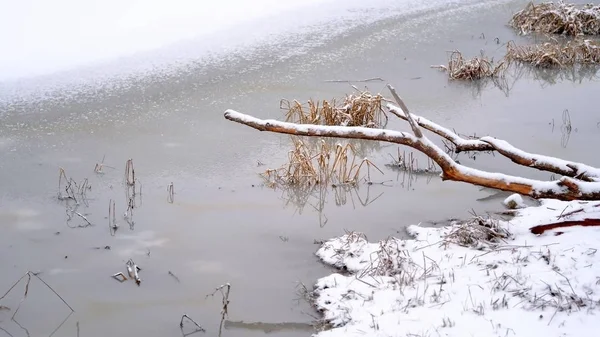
x,y
564,189
407,114
537,161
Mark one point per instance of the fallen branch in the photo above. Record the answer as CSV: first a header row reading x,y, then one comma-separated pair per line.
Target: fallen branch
x,y
537,161
565,188
540,229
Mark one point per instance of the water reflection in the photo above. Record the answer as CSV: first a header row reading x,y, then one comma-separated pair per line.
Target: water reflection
x,y
545,77
317,197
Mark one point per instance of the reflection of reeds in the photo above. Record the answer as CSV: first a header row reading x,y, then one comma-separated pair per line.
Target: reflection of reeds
x,y
361,109
320,164
317,196
410,163
558,18
459,68
546,55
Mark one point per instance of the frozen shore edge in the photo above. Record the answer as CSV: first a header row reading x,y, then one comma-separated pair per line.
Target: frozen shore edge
x,y
480,278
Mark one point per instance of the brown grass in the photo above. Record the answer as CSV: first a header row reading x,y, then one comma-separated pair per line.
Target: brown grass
x,y
476,68
546,55
359,109
558,18
321,164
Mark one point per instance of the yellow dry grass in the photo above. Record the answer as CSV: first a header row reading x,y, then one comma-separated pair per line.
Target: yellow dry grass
x,y
321,164
558,18
480,67
360,109
553,54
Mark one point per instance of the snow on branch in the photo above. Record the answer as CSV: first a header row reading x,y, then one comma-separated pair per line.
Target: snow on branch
x,y
537,161
565,188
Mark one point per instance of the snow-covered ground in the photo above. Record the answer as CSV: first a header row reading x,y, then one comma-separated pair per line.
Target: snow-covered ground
x,y
480,278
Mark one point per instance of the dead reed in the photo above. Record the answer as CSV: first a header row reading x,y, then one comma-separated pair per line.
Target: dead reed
x,y
70,187
557,18
359,109
480,67
171,193
112,218
321,164
554,54
224,290
129,173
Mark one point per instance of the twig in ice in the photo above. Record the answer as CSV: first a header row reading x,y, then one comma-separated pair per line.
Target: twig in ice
x,y
350,81
112,218
129,173
132,270
174,276
69,187
29,274
224,290
8,333
171,192
99,168
73,211
119,277
198,327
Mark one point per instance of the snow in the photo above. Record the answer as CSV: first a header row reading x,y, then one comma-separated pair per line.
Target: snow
x,y
523,285
514,201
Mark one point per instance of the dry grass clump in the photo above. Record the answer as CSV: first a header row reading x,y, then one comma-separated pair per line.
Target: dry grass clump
x,y
477,232
321,164
476,68
548,54
558,18
361,109
390,260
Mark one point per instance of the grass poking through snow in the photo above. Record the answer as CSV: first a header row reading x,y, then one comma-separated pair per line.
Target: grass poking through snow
x,y
480,278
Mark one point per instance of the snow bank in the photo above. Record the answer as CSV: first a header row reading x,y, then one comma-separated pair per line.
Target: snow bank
x,y
483,278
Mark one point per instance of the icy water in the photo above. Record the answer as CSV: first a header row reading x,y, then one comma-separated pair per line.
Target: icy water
x,y
223,226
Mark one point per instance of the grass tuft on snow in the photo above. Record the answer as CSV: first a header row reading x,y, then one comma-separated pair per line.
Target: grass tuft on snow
x,y
480,278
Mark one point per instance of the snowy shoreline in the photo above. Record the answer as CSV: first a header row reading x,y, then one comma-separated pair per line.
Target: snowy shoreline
x,y
479,278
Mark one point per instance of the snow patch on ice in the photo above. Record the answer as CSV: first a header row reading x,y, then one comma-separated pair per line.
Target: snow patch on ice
x,y
434,285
